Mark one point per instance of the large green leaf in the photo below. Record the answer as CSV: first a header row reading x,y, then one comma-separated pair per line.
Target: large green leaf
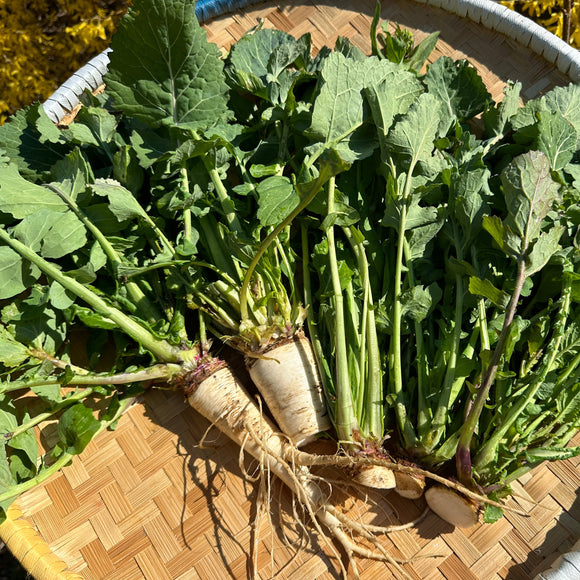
x,y
529,192
20,197
557,138
277,198
412,137
258,58
51,233
566,100
458,86
32,141
163,71
392,95
338,110
15,274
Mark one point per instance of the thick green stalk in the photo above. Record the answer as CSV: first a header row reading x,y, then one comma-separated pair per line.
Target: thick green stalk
x,y
224,199
372,420
424,413
221,258
396,365
441,414
186,212
346,423
216,312
312,324
160,348
156,372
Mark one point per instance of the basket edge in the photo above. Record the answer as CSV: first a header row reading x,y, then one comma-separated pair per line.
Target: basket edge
x,y
488,13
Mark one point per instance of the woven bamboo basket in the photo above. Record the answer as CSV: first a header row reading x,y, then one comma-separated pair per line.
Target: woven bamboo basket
x,y
148,502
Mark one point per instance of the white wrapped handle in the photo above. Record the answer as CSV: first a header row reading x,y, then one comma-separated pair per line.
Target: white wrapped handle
x,y
66,97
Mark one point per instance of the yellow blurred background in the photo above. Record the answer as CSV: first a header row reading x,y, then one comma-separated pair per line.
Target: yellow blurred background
x,y
42,42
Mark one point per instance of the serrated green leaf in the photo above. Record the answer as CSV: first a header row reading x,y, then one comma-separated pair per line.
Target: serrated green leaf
x,y
497,120
257,55
32,141
419,301
543,249
492,514
495,227
458,85
150,147
163,71
470,189
36,324
391,96
416,216
529,192
557,139
338,110
419,238
93,126
411,139
538,455
566,100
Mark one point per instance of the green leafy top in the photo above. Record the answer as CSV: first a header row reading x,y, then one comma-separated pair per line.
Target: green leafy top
x,y
200,194
163,71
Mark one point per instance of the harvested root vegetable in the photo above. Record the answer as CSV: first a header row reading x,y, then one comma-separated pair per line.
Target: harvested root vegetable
x,y
452,506
408,485
224,401
375,476
289,382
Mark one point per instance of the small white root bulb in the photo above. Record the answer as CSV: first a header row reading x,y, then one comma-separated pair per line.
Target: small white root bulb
x,y
453,507
409,486
288,380
375,476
